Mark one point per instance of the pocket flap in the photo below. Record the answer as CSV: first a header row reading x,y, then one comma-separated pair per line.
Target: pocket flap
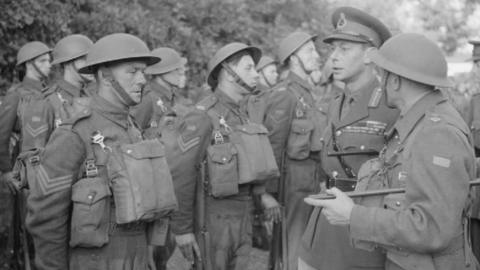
x,y
252,128
144,149
90,190
302,126
221,153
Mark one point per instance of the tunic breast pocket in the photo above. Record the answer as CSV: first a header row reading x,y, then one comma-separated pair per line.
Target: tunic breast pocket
x,y
299,141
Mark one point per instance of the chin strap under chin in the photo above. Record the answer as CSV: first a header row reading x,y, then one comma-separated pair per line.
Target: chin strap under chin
x,y
43,75
303,65
237,78
107,73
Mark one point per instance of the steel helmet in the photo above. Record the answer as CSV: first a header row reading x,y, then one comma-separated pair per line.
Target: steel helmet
x,y
291,43
225,52
70,48
171,60
30,51
414,57
115,47
264,61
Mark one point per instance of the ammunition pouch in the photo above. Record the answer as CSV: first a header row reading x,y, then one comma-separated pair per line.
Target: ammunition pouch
x,y
223,175
256,161
141,182
91,198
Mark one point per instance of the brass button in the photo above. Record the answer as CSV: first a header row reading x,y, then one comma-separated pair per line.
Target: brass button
x,y
224,159
398,203
362,147
129,151
338,133
334,174
90,197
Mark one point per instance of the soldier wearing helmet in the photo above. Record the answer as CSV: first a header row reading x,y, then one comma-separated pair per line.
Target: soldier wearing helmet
x,y
64,98
356,122
164,97
428,146
75,205
267,70
224,204
33,59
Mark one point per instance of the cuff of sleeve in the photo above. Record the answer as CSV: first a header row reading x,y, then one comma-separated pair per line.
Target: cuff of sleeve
x,y
361,226
157,232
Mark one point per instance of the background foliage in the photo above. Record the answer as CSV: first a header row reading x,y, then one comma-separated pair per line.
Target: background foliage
x,y
197,28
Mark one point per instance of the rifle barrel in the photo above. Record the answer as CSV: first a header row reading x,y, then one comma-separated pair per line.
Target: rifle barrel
x,y
379,192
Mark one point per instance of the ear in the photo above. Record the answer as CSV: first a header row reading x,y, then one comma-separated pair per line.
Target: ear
x,y
394,82
102,78
366,59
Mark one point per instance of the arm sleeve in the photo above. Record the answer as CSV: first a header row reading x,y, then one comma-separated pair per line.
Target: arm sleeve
x,y
8,122
49,201
438,170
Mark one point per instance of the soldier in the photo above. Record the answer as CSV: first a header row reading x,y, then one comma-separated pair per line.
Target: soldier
x,y
85,209
428,146
34,59
62,100
225,198
294,127
473,118
162,100
357,120
267,70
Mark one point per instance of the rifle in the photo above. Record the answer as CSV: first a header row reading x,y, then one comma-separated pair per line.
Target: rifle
x,y
203,235
368,193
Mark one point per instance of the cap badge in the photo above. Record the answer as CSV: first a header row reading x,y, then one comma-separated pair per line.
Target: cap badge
x,y
342,22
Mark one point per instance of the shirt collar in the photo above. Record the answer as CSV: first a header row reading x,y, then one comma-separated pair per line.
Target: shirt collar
x,y
408,121
32,84
115,113
69,88
295,78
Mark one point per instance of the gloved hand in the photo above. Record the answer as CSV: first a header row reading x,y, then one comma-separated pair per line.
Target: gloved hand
x,y
188,246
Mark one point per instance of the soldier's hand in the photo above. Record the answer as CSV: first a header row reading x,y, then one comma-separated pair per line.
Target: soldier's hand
x,y
188,246
338,210
11,181
273,210
150,255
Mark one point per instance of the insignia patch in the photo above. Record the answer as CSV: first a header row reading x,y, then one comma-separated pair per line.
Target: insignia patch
x,y
36,119
191,127
153,124
35,131
402,176
342,22
50,185
187,145
435,118
441,161
200,107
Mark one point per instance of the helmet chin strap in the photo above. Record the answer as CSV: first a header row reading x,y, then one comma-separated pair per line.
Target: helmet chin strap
x,y
108,75
300,61
238,80
43,75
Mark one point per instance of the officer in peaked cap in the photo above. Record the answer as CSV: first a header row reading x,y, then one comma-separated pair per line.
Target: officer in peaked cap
x,y
357,120
423,228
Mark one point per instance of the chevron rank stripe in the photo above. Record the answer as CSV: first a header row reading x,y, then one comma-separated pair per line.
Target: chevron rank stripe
x,y
49,185
185,146
36,131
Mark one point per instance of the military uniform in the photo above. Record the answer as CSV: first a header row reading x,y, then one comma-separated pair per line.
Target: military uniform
x,y
11,123
158,102
50,199
229,219
428,147
61,101
360,130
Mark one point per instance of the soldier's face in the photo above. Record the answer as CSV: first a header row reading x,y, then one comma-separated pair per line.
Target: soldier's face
x,y
245,69
80,63
309,56
270,74
177,77
43,64
130,75
347,60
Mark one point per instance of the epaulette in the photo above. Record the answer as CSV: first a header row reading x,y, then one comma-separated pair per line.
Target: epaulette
x,y
85,113
207,102
375,98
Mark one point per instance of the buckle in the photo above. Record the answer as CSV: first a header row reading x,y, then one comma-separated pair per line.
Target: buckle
x,y
91,169
218,137
34,160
